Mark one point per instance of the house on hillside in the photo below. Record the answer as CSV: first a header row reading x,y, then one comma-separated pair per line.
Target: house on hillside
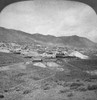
x,y
60,55
16,50
41,51
24,52
64,54
46,55
2,44
37,60
28,56
4,49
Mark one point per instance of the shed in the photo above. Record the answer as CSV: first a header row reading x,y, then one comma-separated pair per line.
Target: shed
x,y
37,60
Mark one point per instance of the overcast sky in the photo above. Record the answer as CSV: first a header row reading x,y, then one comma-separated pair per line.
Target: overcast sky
x,y
54,17
92,3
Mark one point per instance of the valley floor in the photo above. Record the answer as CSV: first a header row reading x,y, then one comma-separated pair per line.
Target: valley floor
x,y
53,79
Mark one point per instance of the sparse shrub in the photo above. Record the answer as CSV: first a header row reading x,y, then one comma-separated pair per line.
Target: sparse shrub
x,y
1,96
82,89
26,91
92,87
77,80
88,80
66,84
64,91
91,79
17,89
36,78
5,90
91,99
59,82
46,88
75,85
20,74
48,85
70,95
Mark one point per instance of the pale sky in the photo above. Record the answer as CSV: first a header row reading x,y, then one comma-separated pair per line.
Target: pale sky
x,y
54,17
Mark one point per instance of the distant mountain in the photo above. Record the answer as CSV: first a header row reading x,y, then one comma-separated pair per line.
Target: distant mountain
x,y
77,41
9,35
74,41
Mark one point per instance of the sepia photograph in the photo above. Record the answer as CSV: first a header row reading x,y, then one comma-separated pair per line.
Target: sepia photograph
x,y
48,49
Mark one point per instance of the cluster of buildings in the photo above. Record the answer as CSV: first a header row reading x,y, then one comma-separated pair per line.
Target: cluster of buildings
x,y
41,51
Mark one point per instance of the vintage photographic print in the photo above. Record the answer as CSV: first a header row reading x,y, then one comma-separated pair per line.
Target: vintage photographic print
x,y
48,49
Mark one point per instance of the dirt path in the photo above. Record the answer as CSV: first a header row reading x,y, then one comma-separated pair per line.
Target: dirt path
x,y
32,84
